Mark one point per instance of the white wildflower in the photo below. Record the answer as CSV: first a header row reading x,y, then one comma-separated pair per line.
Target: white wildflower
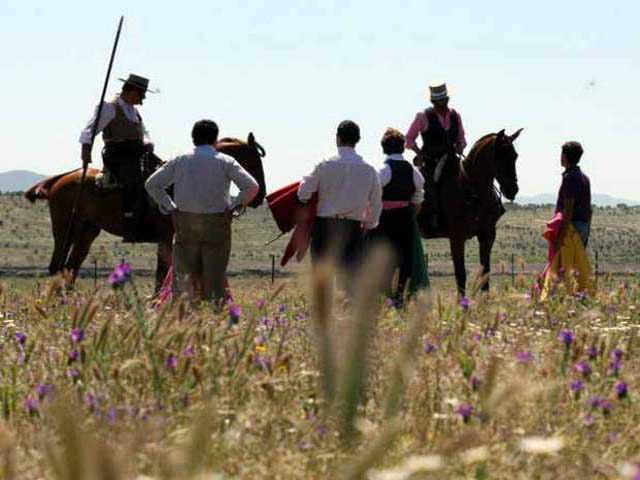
x,y
541,445
475,455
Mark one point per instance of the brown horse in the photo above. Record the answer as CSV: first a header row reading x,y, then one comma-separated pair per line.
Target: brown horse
x,y
99,210
470,205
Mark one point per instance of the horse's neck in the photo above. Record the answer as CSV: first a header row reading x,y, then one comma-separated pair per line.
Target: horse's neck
x,y
478,170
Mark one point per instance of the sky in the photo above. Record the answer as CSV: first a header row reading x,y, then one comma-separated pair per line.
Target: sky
x,y
291,71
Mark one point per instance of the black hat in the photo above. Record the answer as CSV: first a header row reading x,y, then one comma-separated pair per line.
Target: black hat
x,y
138,82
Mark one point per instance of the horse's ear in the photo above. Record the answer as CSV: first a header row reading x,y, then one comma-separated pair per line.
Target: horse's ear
x,y
500,136
515,136
251,139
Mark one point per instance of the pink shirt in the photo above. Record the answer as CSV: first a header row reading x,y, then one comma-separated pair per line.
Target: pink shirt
x,y
421,124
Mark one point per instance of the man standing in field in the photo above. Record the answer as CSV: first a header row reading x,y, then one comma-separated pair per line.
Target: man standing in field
x,y
568,232
443,139
202,210
349,201
574,197
125,142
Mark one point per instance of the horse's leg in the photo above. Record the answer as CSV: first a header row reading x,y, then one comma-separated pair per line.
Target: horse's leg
x,y
485,241
82,240
456,243
59,225
163,262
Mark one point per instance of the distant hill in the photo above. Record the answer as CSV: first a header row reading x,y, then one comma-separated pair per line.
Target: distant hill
x,y
601,200
18,180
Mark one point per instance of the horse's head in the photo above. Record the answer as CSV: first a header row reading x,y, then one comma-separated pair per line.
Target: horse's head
x,y
505,163
249,154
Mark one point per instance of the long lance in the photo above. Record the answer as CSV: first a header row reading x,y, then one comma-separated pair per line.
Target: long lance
x,y
85,166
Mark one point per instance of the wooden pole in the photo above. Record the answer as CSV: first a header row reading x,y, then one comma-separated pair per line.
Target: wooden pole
x,y
597,267
513,270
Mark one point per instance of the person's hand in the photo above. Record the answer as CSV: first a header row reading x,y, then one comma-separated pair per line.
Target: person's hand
x,y
86,155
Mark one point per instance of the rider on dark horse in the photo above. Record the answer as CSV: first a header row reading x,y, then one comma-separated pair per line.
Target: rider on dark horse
x,y
126,141
443,139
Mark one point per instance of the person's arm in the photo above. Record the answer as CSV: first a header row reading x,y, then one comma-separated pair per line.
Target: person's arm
x,y
419,124
375,204
107,114
384,175
461,141
418,196
247,185
157,184
309,185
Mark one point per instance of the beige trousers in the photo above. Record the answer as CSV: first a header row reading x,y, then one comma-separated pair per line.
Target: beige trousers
x,y
201,248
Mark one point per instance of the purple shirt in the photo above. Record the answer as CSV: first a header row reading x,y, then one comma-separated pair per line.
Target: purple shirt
x,y
576,185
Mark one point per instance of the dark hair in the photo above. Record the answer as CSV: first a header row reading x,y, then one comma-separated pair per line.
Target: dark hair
x,y
349,132
205,132
572,152
392,141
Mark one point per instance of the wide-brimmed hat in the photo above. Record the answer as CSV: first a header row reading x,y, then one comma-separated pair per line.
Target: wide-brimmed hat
x,y
438,91
138,82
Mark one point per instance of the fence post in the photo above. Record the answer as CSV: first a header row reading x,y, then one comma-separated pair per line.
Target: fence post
x,y
273,269
95,272
597,267
513,270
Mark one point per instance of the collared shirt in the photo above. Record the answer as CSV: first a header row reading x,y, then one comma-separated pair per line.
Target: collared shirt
x,y
576,185
201,182
421,124
107,114
347,186
384,174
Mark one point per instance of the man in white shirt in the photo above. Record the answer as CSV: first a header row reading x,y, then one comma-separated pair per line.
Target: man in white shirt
x,y
201,210
125,142
349,201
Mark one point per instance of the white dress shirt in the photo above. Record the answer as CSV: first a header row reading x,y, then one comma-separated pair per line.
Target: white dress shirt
x,y
347,187
384,174
201,182
107,114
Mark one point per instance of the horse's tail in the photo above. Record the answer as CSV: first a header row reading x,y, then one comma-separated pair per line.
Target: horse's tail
x,y
40,191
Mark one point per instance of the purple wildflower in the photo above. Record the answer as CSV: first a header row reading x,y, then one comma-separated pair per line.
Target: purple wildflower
x,y
263,362
235,313
282,308
477,337
261,303
77,335
576,386
171,362
21,337
524,357
583,367
190,351
464,302
622,389
90,401
73,373
567,337
429,347
44,390
617,354
73,356
588,420
31,405
112,415
614,367
465,410
120,275
606,406
593,352
595,401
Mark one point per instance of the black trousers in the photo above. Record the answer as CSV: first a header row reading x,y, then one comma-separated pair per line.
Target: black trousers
x,y
339,239
124,161
396,230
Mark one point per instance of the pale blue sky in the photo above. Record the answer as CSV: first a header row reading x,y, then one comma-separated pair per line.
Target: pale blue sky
x,y
290,71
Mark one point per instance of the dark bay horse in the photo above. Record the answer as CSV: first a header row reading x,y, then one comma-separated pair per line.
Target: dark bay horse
x,y
102,210
469,203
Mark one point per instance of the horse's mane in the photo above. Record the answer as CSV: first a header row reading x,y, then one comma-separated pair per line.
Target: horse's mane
x,y
480,144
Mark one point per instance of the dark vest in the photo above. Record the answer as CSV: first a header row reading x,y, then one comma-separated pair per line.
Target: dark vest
x,y
436,141
401,186
122,129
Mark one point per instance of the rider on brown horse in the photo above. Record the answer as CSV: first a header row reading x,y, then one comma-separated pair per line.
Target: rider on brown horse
x,y
443,139
126,140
